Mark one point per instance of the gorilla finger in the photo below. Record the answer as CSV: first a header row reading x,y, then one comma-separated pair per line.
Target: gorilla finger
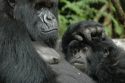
x,y
106,53
87,34
78,37
99,29
73,43
103,35
93,30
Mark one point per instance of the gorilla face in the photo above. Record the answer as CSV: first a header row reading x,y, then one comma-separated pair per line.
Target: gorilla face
x,y
40,18
76,55
79,60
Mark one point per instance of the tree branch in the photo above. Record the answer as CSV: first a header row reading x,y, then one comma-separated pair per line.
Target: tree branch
x,y
119,9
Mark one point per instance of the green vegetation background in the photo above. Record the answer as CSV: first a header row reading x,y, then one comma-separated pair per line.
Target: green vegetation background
x,y
103,11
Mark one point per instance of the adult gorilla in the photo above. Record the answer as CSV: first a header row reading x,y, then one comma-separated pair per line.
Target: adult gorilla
x,y
20,22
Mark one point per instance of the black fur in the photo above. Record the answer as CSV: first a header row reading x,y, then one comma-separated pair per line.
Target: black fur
x,y
103,61
106,62
74,48
74,28
19,62
40,18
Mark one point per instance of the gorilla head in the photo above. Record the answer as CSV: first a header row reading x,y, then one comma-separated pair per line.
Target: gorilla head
x,y
76,39
39,16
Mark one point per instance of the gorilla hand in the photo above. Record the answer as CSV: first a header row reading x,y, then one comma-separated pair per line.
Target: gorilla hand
x,y
83,32
48,54
88,30
76,41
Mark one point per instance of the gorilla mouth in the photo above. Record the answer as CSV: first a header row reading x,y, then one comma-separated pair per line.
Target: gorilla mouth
x,y
45,28
77,62
42,27
47,31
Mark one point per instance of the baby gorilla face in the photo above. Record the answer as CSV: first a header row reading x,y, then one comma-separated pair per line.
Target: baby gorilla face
x,y
79,60
77,57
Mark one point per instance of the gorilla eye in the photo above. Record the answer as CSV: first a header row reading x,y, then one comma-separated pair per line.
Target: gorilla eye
x,y
11,3
38,6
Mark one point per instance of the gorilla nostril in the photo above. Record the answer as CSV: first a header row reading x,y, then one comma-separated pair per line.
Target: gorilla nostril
x,y
49,18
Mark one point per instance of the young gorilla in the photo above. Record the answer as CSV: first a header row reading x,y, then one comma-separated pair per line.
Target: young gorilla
x,y
72,41
103,60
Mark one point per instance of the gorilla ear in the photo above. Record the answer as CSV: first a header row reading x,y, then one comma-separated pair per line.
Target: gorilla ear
x,y
12,3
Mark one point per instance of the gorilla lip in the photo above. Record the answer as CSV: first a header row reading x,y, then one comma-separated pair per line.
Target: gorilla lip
x,y
49,30
79,62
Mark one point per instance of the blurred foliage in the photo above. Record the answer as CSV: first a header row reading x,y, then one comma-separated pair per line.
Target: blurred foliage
x,y
103,11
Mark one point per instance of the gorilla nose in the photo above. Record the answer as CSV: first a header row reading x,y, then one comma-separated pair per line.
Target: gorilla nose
x,y
48,18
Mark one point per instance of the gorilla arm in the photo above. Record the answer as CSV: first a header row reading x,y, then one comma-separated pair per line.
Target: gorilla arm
x,y
48,54
66,72
69,74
